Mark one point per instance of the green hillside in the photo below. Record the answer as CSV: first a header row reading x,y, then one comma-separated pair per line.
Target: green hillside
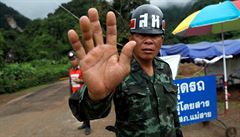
x,y
8,11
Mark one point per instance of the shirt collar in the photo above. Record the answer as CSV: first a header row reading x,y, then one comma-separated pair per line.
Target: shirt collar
x,y
157,62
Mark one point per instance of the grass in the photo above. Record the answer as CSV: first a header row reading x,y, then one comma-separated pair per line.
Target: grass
x,y
4,98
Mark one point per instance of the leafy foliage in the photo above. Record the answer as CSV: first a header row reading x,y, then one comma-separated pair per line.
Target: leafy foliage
x,y
15,76
2,43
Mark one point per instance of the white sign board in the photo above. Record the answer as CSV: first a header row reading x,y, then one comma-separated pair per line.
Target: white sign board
x,y
173,61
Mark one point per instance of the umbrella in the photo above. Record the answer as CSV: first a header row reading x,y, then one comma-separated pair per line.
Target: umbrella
x,y
213,19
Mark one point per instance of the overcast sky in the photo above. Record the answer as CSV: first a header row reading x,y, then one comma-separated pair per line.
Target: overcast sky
x,y
40,8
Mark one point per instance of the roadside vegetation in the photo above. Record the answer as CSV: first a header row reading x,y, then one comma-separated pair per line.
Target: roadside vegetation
x,y
17,76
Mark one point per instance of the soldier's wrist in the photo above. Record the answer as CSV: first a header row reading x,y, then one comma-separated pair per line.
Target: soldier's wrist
x,y
96,97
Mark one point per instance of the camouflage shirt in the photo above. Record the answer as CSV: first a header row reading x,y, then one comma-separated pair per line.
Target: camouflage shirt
x,y
145,106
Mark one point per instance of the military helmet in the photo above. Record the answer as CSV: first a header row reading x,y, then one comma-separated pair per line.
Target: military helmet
x,y
71,55
147,19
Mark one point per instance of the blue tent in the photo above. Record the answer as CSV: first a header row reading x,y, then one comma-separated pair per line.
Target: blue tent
x,y
205,50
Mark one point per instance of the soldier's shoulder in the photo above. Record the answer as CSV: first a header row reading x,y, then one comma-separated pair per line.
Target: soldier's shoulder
x,y
159,61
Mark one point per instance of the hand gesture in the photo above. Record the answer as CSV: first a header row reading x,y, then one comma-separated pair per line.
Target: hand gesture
x,y
102,67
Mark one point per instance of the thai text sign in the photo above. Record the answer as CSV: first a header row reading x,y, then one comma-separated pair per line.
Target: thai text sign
x,y
197,100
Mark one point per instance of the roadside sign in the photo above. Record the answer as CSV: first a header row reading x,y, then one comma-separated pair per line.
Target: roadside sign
x,y
197,100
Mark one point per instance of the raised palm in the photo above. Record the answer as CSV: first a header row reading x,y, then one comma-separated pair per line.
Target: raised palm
x,y
103,68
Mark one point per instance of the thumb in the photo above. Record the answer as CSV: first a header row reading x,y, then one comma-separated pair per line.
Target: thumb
x,y
126,54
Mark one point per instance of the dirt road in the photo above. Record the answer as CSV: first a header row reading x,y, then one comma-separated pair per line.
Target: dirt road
x,y
45,113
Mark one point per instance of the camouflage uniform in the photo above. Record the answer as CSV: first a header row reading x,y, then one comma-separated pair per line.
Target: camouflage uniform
x,y
145,106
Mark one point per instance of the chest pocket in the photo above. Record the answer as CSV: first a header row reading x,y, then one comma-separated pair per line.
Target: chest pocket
x,y
170,88
136,95
168,107
171,91
137,100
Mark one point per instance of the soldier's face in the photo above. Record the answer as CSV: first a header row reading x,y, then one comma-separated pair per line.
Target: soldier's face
x,y
147,46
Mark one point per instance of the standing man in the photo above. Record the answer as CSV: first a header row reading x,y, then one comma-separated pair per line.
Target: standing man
x,y
76,82
140,84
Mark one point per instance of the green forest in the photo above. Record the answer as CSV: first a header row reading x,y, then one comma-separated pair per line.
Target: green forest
x,y
34,51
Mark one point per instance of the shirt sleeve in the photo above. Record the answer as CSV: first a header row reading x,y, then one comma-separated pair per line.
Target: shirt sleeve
x,y
83,108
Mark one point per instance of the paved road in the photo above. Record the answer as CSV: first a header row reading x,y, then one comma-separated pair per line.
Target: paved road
x,y
45,113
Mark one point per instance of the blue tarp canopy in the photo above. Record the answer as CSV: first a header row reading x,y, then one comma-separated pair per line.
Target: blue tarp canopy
x,y
205,50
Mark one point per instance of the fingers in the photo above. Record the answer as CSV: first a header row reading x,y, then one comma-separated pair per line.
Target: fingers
x,y
96,26
85,26
91,30
76,44
111,29
127,52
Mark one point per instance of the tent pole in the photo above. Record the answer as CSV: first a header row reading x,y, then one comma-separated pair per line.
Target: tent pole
x,y
225,72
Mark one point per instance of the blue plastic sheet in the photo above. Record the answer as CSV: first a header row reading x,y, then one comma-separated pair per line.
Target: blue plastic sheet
x,y
205,50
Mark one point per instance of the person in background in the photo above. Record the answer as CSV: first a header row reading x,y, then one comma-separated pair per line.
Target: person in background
x,y
140,83
76,82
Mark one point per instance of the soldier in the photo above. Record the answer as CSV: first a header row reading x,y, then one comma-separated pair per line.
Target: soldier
x,y
141,86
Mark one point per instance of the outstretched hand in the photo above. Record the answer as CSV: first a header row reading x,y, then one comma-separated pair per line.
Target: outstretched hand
x,y
102,67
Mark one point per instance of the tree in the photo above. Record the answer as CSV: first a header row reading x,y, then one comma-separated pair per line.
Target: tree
x,y
10,45
2,43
